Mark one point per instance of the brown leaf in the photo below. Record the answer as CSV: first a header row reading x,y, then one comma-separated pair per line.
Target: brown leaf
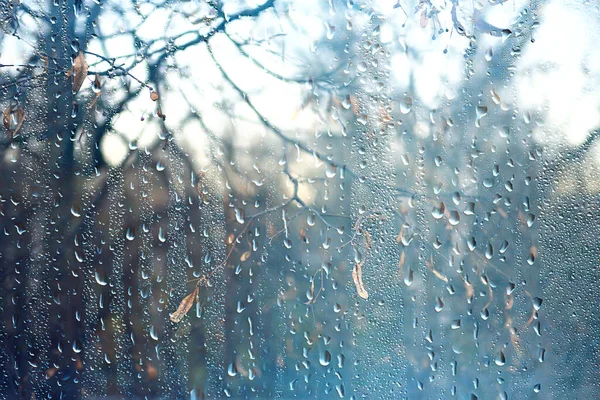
x,y
50,372
184,306
312,292
230,239
424,19
313,296
400,236
357,278
245,256
151,372
94,101
20,114
97,84
402,258
13,118
438,274
368,240
154,96
79,71
97,88
45,61
354,105
6,117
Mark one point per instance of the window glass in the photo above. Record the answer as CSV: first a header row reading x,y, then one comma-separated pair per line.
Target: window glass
x,y
299,199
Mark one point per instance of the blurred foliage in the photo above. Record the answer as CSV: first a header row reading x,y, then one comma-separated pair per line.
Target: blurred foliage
x,y
218,199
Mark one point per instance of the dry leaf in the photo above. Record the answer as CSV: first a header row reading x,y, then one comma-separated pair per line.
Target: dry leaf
x,y
94,101
184,306
50,372
6,119
312,292
20,115
79,71
230,239
438,274
400,235
368,240
402,258
245,256
45,61
424,19
13,118
97,88
357,278
151,372
313,296
160,114
97,84
154,96
303,236
355,105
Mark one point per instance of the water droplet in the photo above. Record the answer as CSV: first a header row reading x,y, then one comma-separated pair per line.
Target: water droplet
x,y
330,31
438,212
541,354
325,358
530,219
471,243
439,304
408,279
485,314
154,333
500,359
510,288
406,105
130,234
489,252
239,216
162,236
480,112
347,102
77,346
489,53
76,210
330,170
240,307
470,208
454,218
231,370
101,277
404,159
531,258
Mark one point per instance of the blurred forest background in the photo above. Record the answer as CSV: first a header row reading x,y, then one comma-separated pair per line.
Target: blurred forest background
x,y
354,198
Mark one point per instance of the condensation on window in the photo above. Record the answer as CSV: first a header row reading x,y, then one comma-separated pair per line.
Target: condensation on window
x,y
299,199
